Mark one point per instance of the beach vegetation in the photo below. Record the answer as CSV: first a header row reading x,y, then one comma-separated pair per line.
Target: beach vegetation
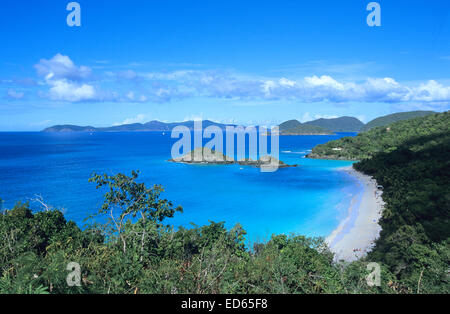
x,y
411,160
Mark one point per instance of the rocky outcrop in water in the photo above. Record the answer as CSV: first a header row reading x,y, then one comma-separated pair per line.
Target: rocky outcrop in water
x,y
203,155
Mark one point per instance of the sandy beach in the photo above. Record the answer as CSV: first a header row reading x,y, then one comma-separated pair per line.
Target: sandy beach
x,y
355,235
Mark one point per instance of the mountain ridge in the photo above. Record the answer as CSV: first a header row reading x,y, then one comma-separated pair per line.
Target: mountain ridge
x,y
151,126
340,124
322,126
394,117
295,127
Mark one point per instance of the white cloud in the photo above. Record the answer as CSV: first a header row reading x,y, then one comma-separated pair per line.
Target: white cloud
x,y
308,117
127,75
12,94
194,117
430,91
61,67
40,123
68,82
285,82
64,79
165,86
324,80
326,88
362,118
130,95
65,90
140,118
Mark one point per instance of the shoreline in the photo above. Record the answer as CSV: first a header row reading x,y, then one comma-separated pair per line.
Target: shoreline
x,y
355,235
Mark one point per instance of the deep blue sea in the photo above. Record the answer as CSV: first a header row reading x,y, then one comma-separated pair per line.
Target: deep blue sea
x,y
309,200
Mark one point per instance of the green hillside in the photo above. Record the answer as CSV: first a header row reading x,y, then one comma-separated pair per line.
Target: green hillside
x,y
341,124
383,140
395,117
294,127
411,160
152,126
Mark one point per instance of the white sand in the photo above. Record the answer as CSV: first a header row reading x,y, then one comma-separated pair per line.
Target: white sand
x,y
355,235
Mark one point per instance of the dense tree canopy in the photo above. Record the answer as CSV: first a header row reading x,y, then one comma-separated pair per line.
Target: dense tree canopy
x,y
414,134
411,160
394,117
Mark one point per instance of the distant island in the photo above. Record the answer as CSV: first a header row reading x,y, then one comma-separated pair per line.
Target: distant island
x,y
294,127
204,155
341,124
152,126
291,127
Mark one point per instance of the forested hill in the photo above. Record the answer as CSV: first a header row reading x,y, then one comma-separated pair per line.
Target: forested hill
x,y
411,160
395,117
294,127
341,124
415,237
386,139
290,127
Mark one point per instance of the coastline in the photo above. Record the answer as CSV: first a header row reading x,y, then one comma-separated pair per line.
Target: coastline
x,y
356,234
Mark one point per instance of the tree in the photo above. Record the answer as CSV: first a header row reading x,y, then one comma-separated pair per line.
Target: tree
x,y
127,200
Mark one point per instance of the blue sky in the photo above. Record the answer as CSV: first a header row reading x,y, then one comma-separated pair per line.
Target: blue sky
x,y
249,62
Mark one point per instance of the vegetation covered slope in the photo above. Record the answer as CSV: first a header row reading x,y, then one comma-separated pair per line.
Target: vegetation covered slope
x,y
411,160
385,139
341,124
294,127
395,117
415,236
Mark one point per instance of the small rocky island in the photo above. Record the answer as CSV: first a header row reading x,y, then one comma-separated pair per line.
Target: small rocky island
x,y
203,155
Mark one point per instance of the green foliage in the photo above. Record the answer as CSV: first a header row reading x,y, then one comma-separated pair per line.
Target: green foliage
x,y
294,127
395,117
341,124
416,220
126,200
415,135
411,160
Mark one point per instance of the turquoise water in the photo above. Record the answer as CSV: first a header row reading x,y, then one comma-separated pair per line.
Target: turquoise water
x,y
310,199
